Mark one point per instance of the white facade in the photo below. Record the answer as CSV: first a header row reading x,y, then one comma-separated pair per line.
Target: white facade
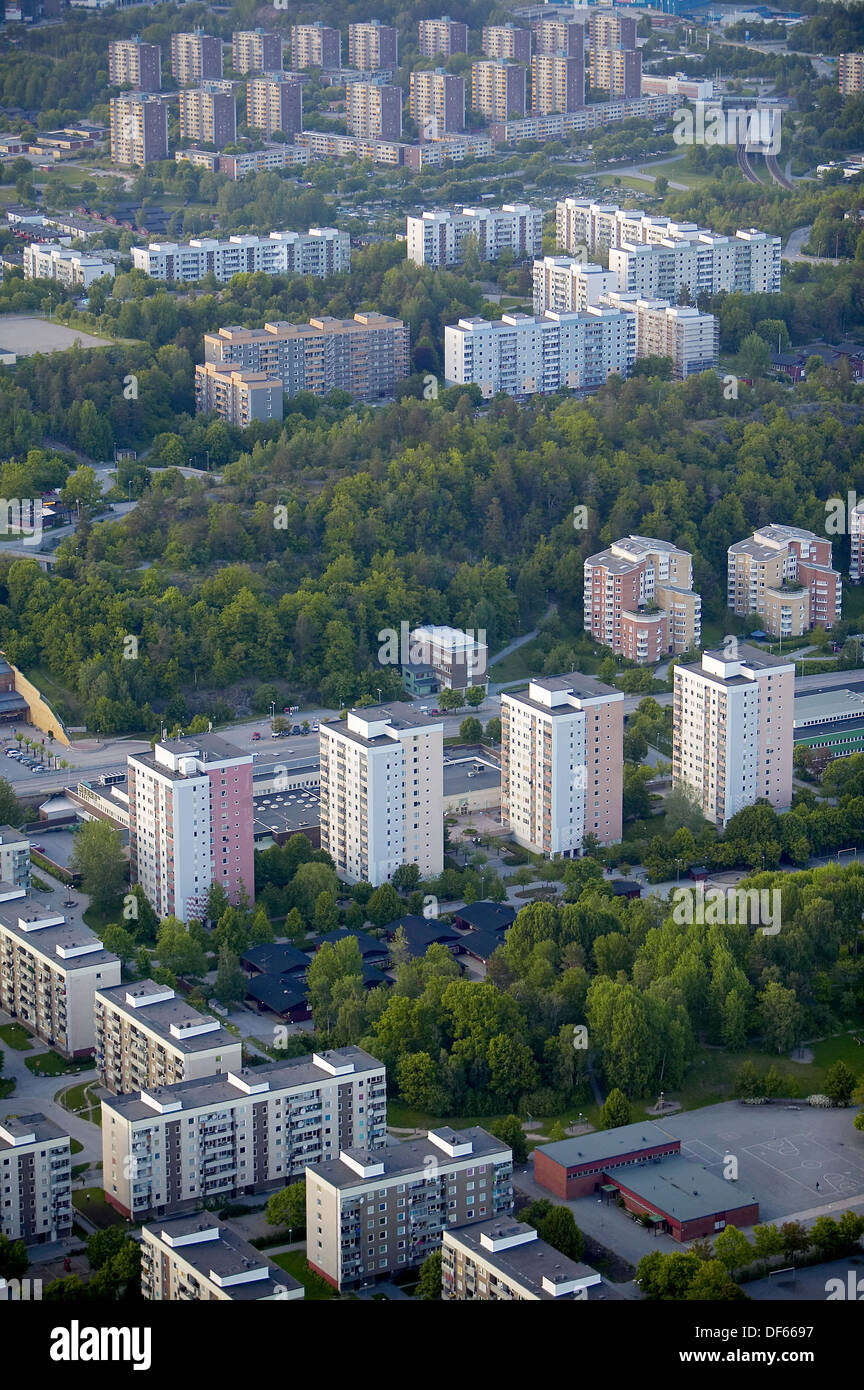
x,y
561,764
459,659
438,238
382,788
35,1180
565,285
320,251
48,260
525,354
856,529
733,731
680,332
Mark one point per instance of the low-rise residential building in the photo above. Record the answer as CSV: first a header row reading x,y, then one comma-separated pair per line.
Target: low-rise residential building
x,y
371,1213
441,37
238,397
638,599
594,117
531,354
167,1149
50,970
786,576
270,156
439,238
459,659
693,88
199,1259
147,1036
733,731
366,356
506,1261
320,251
48,260
562,754
35,1180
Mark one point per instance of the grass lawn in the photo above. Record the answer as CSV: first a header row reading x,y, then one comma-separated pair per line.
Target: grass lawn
x,y
92,1203
98,918
78,1170
51,1064
16,1037
78,1100
294,1263
75,1146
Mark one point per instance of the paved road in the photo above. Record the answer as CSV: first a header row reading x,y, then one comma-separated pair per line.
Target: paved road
x,y
36,1093
792,250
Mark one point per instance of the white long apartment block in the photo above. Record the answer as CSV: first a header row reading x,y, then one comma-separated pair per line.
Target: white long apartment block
x,y
748,263
382,790
656,256
439,238
50,970
35,1180
531,354
369,1214
506,1261
147,1036
733,731
856,531
565,285
681,332
320,251
167,1149
198,1259
562,759
47,260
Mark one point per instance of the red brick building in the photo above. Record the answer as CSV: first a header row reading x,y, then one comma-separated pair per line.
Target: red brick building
x,y
576,1167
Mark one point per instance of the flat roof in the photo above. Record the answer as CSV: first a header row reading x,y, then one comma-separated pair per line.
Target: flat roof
x,y
527,1263
398,714
45,941
838,706
685,1190
20,1127
206,1091
162,1016
409,1157
226,1256
582,687
606,1144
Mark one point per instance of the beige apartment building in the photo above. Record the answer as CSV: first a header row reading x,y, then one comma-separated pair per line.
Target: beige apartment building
x,y
498,89
506,41
147,1036
505,1261
372,46
382,789
166,1149
139,128
35,1180
786,576
681,332
274,103
198,1259
132,63
638,599
437,103
315,46
237,397
208,116
733,731
50,970
369,1214
562,756
374,112
444,36
256,50
850,74
366,356
557,84
195,57
14,858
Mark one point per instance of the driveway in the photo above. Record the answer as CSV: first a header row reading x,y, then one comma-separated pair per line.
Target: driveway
x,y
34,1094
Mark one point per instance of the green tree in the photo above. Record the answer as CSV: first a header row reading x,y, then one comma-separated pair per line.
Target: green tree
x,y
326,916
616,1110
559,1230
287,1207
509,1130
14,1260
492,732
840,1082
384,906
470,730
732,1248
178,950
429,1283
97,855
475,695
416,1077
230,986
782,1017
103,1245
10,808
333,962
713,1284
120,941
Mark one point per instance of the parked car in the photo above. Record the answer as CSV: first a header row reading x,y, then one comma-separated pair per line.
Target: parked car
x,y
315,728
295,728
40,849
255,736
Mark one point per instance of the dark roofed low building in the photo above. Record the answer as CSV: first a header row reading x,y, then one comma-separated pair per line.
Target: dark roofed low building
x,y
273,958
370,948
372,977
485,916
480,945
625,888
422,932
280,994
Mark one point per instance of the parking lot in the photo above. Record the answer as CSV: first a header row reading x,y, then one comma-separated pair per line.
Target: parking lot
x,y
797,1160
